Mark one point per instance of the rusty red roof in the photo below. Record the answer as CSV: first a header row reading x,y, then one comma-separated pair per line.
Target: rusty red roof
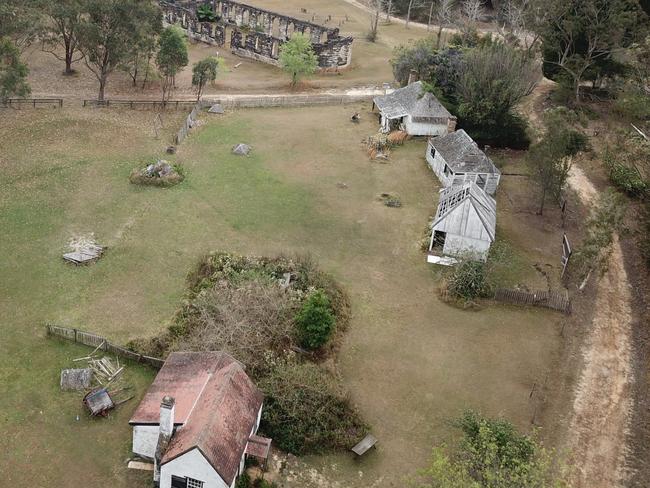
x,y
217,402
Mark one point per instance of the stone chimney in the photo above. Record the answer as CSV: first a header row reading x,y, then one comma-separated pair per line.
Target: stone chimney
x,y
451,124
413,77
165,432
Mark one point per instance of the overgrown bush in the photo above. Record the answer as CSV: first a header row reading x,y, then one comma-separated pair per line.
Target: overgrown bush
x,y
306,411
625,178
315,321
469,280
511,130
606,219
159,174
243,305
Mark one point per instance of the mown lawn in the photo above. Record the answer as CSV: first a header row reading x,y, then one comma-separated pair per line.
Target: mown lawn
x,y
410,361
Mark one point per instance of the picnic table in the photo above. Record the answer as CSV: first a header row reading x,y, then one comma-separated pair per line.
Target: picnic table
x,y
364,445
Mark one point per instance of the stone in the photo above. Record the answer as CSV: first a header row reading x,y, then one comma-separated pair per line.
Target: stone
x,y
171,149
241,149
216,109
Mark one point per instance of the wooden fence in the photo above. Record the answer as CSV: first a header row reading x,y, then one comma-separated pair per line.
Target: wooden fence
x,y
287,100
94,340
549,299
190,121
142,104
31,102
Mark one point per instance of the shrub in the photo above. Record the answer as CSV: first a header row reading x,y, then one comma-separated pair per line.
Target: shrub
x,y
243,481
469,280
305,411
510,131
626,179
315,321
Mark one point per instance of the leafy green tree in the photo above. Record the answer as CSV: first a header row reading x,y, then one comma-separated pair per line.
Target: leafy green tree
x,y
491,454
13,72
297,57
172,57
551,158
421,58
21,21
315,321
581,37
109,31
203,72
62,30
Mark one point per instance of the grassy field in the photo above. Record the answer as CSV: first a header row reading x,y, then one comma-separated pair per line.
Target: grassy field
x,y
410,361
369,61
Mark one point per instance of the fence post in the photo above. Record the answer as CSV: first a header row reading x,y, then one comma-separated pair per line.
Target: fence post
x,y
75,334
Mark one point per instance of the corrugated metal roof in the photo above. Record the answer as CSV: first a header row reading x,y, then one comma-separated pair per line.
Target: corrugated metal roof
x,y
456,196
462,154
411,100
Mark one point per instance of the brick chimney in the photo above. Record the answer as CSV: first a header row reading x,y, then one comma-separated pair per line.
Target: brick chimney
x,y
165,432
413,77
451,124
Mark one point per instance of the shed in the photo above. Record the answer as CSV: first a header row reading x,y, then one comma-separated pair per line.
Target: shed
x,y
415,111
76,379
465,222
456,159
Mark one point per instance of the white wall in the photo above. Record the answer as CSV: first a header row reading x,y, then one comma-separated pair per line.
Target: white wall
x,y
145,440
437,164
424,129
456,245
192,464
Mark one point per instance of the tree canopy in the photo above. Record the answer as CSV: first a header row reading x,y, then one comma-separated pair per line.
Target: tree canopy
x,y
13,72
110,30
203,72
172,57
297,58
491,454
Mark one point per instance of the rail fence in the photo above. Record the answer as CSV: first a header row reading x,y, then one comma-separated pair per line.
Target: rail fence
x,y
33,102
141,104
288,100
549,299
94,340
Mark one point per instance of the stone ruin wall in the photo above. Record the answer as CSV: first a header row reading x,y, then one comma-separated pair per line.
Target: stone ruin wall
x,y
258,33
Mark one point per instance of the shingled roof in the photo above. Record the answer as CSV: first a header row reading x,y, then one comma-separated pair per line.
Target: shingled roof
x,y
216,402
411,100
454,196
462,154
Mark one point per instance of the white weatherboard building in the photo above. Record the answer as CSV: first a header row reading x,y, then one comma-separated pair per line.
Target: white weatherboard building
x,y
456,159
198,421
415,111
465,223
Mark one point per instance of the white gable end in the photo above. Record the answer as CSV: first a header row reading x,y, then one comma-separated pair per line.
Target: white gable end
x,y
193,465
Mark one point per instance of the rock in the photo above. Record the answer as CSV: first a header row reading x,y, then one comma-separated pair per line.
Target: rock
x,y
171,149
216,109
241,149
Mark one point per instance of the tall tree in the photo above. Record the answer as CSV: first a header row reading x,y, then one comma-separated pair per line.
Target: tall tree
x,y
519,21
109,31
13,72
203,72
376,9
62,31
171,58
445,15
297,57
21,21
582,35
412,4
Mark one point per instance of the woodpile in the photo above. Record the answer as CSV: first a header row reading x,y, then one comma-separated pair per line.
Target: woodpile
x,y
397,138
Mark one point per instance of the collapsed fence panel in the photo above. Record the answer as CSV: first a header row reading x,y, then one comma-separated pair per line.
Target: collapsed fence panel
x,y
95,340
549,299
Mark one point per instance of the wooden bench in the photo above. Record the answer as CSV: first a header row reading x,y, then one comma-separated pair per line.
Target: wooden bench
x,y
364,445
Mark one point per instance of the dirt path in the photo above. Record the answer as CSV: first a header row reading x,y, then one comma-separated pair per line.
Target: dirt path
x,y
602,406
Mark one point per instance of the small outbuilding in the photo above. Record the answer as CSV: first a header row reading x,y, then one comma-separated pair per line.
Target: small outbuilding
x,y
412,109
198,421
465,223
456,159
